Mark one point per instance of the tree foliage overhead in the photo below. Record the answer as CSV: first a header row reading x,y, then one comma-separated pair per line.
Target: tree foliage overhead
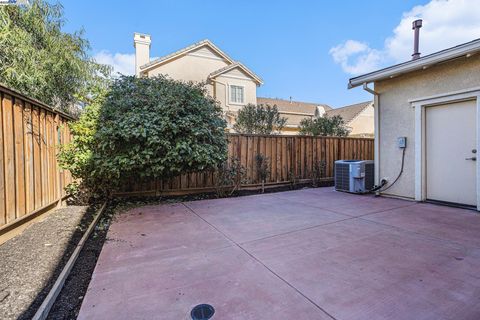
x,y
324,126
259,119
147,128
41,61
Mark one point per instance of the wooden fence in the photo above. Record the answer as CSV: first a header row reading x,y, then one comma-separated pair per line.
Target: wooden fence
x,y
290,158
30,179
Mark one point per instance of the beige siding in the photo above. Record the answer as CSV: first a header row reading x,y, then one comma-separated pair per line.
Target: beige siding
x,y
396,116
235,77
190,68
363,124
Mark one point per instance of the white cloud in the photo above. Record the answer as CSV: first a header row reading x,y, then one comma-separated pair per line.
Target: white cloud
x,y
356,57
446,23
123,63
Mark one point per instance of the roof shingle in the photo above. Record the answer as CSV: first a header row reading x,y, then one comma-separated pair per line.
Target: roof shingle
x,y
293,106
348,113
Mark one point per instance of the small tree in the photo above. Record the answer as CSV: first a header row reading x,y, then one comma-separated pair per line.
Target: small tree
x,y
150,128
229,177
259,119
324,126
263,169
318,171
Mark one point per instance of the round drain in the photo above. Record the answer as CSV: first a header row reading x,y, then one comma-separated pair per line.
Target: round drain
x,y
202,312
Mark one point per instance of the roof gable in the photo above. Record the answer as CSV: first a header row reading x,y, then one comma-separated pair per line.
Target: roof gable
x,y
203,48
236,66
349,113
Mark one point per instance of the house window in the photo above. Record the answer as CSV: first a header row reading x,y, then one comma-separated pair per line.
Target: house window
x,y
237,94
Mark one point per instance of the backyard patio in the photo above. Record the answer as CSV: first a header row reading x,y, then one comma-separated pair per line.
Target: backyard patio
x,y
307,254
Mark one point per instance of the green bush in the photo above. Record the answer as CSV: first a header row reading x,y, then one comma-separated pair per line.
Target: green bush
x,y
147,128
259,119
324,126
229,177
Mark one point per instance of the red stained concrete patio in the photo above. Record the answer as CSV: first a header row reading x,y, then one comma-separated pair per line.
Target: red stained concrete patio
x,y
308,254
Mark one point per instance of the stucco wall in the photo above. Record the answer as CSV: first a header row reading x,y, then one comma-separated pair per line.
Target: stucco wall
x,y
222,92
190,68
363,124
396,116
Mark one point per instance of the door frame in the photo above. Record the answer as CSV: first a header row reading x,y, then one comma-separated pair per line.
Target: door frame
x,y
419,104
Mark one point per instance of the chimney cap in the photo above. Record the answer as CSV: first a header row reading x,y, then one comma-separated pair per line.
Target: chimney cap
x,y
142,38
417,24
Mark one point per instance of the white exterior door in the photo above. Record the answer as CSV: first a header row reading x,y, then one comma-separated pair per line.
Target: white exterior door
x,y
450,141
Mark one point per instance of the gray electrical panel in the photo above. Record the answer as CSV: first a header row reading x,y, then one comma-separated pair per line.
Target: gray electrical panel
x,y
402,142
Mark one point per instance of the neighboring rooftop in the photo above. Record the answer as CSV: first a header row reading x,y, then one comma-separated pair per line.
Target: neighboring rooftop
x,y
348,113
462,50
309,108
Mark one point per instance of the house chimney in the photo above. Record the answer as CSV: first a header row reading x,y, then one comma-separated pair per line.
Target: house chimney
x,y
141,43
416,25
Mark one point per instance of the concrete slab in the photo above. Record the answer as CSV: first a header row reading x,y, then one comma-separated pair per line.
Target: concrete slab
x,y
250,218
309,254
459,225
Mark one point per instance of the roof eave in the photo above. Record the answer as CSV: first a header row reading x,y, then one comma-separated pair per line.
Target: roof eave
x,y
414,65
257,79
155,63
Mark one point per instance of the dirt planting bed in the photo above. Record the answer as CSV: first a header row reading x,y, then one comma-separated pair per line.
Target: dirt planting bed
x,y
30,262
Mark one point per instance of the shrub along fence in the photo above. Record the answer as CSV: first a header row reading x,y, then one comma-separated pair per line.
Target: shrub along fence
x,y
30,180
292,160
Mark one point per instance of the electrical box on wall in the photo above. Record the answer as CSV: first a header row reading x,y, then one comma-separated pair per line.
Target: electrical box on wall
x,y
402,142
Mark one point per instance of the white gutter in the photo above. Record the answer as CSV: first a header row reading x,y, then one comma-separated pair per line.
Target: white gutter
x,y
463,50
376,143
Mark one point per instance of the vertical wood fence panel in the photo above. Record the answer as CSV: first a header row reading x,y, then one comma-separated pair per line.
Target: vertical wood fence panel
x,y
290,158
30,179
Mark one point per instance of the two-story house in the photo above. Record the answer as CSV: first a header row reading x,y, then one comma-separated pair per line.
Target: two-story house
x,y
228,81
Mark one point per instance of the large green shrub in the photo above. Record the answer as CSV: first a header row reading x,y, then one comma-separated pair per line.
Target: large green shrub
x,y
150,128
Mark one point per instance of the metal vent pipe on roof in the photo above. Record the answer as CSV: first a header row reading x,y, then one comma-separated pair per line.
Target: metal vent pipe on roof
x,y
416,25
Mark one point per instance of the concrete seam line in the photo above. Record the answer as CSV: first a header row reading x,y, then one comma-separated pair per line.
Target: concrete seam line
x,y
262,264
47,304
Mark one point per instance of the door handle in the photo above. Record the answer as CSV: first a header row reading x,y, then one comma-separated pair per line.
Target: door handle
x,y
472,158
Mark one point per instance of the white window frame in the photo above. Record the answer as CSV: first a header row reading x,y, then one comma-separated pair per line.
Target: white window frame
x,y
230,94
420,105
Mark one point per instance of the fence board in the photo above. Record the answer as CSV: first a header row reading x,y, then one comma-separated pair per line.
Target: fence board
x,y
28,151
9,155
3,215
19,158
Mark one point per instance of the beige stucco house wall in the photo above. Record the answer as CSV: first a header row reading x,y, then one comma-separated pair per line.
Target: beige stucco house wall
x,y
223,83
404,96
202,62
359,118
363,124
397,116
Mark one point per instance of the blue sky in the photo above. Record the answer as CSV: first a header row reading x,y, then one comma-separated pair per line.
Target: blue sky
x,y
304,49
